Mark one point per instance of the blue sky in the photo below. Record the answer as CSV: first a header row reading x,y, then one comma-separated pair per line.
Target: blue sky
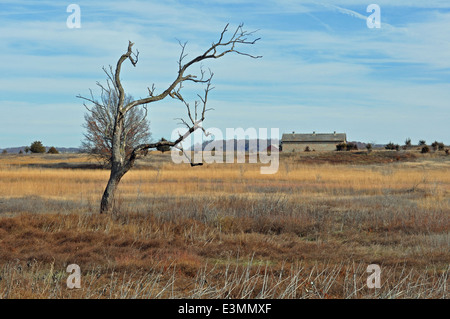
x,y
322,69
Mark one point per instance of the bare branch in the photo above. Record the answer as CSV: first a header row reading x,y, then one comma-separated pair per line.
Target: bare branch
x,y
217,50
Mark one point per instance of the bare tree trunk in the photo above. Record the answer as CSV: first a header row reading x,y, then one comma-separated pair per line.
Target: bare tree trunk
x,y
109,194
117,165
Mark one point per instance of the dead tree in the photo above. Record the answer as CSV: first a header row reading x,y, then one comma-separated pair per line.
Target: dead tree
x,y
121,162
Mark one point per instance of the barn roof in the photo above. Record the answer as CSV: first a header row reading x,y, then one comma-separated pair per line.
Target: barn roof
x,y
314,137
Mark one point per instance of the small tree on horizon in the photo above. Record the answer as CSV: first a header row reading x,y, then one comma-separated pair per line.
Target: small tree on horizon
x,y
37,147
407,144
52,150
438,146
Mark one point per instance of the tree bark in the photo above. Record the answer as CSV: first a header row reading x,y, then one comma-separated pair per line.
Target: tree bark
x,y
109,194
118,168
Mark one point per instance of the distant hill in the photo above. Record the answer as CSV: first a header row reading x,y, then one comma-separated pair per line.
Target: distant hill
x,y
245,145
16,150
241,145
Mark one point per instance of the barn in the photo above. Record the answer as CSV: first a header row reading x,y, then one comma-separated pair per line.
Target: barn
x,y
298,142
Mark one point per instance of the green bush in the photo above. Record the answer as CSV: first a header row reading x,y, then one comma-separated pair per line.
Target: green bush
x,y
37,147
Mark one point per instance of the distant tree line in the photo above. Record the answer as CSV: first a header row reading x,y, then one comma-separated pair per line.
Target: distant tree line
x,y
424,148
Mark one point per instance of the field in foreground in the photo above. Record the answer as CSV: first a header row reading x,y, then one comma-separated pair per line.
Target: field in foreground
x,y
225,230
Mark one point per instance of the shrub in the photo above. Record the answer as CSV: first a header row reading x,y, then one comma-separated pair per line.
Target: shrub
x,y
346,146
408,142
4,152
369,147
307,149
438,146
341,147
425,149
447,151
392,146
422,142
53,150
37,147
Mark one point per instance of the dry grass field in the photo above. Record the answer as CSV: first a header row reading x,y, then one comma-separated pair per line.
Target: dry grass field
x,y
225,230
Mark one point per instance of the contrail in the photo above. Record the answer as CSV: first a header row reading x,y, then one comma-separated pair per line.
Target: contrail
x,y
321,22
355,14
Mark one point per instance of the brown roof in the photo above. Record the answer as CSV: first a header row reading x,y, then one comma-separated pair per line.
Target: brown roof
x,y
314,137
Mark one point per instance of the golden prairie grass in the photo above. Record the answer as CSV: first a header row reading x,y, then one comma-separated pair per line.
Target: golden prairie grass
x,y
216,179
225,230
